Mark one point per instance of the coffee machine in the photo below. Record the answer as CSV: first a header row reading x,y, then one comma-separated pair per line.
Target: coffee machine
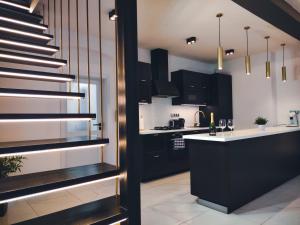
x,y
294,120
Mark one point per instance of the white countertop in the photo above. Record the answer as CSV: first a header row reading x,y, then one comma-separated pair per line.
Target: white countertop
x,y
143,132
241,134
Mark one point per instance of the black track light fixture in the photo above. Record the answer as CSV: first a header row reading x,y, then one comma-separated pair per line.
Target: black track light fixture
x,y
191,40
113,15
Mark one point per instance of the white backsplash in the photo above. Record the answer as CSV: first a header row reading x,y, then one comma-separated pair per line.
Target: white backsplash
x,y
158,113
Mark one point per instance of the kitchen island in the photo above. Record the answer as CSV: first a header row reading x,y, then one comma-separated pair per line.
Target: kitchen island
x,y
231,169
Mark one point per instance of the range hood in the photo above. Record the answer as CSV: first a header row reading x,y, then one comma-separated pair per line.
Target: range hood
x,y
161,86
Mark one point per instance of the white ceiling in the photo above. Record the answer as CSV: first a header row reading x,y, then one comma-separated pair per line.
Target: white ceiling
x,y
167,23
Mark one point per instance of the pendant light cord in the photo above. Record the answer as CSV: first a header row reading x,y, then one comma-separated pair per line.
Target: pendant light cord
x,y
283,54
247,42
267,49
219,31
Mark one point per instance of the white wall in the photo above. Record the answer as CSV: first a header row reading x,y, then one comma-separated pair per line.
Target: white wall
x,y
158,113
255,95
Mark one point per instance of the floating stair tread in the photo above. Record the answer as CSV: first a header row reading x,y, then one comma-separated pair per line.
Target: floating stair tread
x,y
21,116
36,37
24,92
28,184
48,144
22,25
28,59
34,75
101,212
25,16
18,45
9,6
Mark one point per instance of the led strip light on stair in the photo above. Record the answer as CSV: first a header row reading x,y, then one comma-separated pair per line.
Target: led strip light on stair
x,y
28,59
25,45
24,33
59,189
43,120
15,5
119,222
53,150
21,95
34,76
19,22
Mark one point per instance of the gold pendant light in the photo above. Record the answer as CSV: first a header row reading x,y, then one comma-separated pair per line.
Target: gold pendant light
x,y
247,57
283,68
220,49
268,64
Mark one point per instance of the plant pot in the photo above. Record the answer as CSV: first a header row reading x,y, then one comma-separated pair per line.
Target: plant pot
x,y
262,127
3,209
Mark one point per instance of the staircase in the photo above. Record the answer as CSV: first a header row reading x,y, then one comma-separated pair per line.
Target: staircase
x,y
23,31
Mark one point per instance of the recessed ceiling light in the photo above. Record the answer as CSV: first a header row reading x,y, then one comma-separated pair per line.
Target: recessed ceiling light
x,y
113,15
229,52
191,40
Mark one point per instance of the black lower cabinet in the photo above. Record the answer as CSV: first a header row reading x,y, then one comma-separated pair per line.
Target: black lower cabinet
x,y
159,156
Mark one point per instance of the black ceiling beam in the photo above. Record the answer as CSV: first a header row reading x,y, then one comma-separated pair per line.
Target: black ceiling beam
x,y
279,15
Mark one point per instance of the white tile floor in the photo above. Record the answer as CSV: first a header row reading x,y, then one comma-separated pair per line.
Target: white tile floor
x,y
168,202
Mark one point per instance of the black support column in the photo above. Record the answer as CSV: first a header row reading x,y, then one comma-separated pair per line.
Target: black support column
x,y
128,105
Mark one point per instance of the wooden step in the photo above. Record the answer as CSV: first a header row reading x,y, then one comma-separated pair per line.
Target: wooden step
x,y
21,35
25,93
45,117
50,145
33,184
102,212
35,75
27,46
25,16
14,5
22,25
28,59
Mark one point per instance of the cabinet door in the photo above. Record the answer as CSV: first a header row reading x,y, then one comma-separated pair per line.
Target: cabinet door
x,y
153,142
145,76
196,88
154,165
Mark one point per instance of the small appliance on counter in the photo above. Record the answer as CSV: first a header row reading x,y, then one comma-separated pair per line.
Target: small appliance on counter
x,y
177,123
294,120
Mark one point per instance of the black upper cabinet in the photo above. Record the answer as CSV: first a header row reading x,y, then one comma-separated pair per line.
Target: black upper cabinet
x,y
194,88
221,92
145,79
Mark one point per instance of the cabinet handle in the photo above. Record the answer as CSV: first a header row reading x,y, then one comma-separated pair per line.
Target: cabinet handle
x,y
156,156
155,135
143,80
191,86
204,87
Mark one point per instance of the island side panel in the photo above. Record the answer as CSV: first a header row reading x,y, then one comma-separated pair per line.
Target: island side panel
x,y
258,165
209,171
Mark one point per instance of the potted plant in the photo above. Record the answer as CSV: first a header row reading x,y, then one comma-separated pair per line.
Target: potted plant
x,y
261,122
9,165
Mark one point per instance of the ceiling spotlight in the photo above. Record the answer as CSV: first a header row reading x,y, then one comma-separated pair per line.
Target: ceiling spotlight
x,y
229,52
191,40
113,15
